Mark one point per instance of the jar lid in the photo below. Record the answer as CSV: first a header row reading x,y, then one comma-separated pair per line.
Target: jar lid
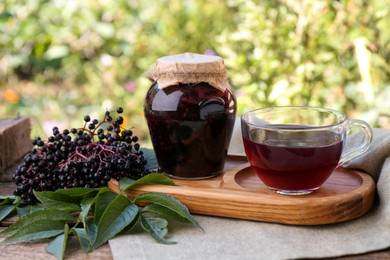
x,y
189,68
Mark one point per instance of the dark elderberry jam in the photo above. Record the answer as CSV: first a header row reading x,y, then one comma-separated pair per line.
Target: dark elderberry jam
x,y
190,127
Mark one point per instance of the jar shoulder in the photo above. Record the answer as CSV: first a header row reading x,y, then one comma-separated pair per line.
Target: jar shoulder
x,y
180,96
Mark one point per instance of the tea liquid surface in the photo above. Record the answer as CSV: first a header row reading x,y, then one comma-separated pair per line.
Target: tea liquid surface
x,y
293,165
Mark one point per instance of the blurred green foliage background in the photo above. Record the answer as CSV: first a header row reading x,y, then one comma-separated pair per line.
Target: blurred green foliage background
x,y
63,59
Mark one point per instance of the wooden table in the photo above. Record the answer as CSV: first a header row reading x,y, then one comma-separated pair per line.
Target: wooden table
x,y
37,251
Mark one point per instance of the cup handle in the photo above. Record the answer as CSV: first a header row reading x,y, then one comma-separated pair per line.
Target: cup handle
x,y
358,149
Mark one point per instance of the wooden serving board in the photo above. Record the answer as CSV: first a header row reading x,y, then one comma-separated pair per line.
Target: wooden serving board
x,y
238,193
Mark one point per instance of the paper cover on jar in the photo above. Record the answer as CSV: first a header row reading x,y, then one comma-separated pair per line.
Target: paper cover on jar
x,y
189,68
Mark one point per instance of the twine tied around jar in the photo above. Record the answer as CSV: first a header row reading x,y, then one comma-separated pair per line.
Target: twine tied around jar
x,y
189,68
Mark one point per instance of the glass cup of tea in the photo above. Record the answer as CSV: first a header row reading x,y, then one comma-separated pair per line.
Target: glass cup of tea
x,y
294,150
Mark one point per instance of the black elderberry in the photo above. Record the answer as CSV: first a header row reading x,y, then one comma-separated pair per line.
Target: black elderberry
x,y
55,130
83,157
119,110
119,120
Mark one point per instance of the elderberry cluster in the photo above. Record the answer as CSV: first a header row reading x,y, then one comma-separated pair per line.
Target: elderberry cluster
x,y
81,157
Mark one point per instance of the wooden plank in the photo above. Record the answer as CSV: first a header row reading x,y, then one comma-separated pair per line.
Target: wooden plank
x,y
7,188
15,142
37,251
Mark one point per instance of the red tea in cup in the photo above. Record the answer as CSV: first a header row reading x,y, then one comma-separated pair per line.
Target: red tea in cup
x,y
294,150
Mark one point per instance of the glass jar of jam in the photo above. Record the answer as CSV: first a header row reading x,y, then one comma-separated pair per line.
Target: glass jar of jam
x,y
190,110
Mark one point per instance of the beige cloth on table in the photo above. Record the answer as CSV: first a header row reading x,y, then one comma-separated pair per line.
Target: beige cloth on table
x,y
225,238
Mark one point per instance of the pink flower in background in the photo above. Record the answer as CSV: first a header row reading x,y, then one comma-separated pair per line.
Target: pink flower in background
x,y
48,126
131,86
239,93
210,52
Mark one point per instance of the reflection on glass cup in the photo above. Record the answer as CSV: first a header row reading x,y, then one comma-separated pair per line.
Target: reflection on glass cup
x,y
294,150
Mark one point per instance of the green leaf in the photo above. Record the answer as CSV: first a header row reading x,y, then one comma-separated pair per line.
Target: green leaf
x,y
7,200
27,209
2,197
35,216
124,183
56,52
51,199
4,16
18,201
102,201
106,30
86,205
5,211
153,178
118,214
84,239
91,229
57,247
132,225
39,229
78,192
164,212
167,202
157,228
